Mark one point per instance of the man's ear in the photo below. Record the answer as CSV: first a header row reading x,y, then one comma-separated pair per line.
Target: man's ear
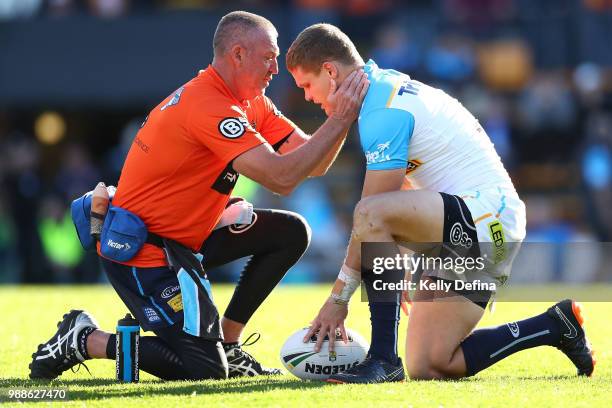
x,y
330,69
237,53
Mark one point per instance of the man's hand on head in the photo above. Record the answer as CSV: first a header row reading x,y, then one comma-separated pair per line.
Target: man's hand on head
x,y
344,102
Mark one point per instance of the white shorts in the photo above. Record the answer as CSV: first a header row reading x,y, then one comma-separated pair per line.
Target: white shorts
x,y
497,224
500,220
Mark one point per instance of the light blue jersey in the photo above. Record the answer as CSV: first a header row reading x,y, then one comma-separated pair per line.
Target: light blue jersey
x,y
385,133
405,124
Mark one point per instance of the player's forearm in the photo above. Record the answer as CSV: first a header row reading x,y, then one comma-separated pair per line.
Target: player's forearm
x,y
330,158
353,254
295,166
349,276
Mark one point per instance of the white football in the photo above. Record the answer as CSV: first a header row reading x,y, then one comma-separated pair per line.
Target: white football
x,y
302,361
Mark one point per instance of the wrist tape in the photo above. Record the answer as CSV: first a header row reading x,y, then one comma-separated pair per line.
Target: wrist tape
x,y
351,283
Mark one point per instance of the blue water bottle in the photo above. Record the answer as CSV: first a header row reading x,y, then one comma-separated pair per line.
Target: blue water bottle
x,y
128,336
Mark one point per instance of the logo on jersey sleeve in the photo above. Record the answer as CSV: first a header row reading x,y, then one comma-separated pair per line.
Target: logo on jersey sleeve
x,y
233,128
175,98
379,155
226,181
412,165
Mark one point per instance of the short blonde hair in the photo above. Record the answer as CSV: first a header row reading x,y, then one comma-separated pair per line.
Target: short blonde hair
x,y
319,43
236,25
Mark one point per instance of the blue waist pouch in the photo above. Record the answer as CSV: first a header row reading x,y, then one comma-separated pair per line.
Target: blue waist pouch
x,y
80,210
123,234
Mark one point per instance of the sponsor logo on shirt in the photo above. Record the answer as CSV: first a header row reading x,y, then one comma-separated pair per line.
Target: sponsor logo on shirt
x,y
175,98
412,165
233,128
143,146
226,180
379,155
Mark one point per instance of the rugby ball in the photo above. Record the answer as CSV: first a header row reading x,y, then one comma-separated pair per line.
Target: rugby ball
x,y
301,360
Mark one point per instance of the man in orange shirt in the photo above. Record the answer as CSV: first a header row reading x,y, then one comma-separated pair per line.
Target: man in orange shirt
x,y
178,178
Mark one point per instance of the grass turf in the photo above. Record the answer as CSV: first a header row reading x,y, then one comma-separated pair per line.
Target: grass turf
x,y
541,377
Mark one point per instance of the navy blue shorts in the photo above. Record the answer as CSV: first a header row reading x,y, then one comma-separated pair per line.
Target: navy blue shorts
x,y
152,295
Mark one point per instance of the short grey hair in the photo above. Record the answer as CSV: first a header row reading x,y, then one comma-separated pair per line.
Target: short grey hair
x,y
236,25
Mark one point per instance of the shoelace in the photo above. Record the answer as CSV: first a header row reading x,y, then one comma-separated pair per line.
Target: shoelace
x,y
70,356
78,367
245,355
246,342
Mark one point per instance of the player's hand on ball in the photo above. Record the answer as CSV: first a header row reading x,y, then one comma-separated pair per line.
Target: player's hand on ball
x,y
330,317
344,102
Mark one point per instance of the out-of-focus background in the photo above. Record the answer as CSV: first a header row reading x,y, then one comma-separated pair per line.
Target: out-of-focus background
x,y
77,77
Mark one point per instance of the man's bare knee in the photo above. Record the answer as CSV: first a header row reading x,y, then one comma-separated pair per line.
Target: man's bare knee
x,y
434,369
436,362
367,220
422,371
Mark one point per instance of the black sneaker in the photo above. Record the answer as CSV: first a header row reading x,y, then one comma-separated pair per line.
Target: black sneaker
x,y
242,364
61,352
573,343
370,371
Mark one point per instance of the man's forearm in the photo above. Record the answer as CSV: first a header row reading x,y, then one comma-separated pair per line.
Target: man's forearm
x,y
353,254
281,173
349,276
296,165
330,158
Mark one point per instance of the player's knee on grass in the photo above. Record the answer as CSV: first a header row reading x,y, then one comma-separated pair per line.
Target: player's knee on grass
x,y
367,219
422,373
427,369
212,371
435,358
417,365
198,358
207,362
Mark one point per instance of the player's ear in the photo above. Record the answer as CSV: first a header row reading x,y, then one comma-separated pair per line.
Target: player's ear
x,y
330,69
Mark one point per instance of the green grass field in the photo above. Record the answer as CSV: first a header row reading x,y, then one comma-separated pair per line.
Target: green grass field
x,y
540,377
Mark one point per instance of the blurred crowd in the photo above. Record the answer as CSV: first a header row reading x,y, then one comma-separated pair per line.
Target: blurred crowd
x,y
537,74
477,13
